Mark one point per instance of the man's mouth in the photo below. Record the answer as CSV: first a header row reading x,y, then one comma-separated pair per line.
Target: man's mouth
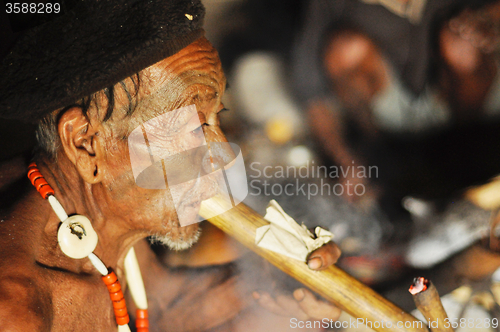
x,y
189,205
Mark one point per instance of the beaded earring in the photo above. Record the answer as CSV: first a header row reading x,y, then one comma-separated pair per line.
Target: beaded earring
x,y
77,239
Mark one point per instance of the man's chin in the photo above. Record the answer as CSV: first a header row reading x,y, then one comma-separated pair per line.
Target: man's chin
x,y
182,242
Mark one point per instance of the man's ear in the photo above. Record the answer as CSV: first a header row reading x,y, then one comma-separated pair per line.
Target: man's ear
x,y
78,138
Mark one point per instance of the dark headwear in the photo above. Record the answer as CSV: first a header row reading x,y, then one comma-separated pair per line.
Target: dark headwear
x,y
92,45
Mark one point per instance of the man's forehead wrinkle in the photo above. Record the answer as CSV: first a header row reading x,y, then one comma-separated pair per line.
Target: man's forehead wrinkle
x,y
190,58
202,66
179,90
169,69
201,93
152,101
161,91
199,58
207,78
173,122
191,76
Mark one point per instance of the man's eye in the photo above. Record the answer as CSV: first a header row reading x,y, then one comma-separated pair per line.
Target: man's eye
x,y
197,131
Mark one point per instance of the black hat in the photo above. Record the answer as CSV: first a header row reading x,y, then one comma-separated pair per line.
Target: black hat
x,y
88,46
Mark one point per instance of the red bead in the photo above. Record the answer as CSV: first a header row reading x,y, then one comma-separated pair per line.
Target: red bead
x,y
39,182
31,171
116,296
121,312
35,176
122,320
46,190
141,313
115,287
119,304
140,323
110,278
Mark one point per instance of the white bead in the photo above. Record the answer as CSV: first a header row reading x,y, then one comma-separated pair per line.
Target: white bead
x,y
123,328
57,207
98,264
134,280
76,237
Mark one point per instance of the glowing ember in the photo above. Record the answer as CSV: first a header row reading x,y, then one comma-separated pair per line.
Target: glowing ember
x,y
419,285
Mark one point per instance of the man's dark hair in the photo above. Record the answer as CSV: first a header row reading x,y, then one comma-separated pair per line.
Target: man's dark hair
x,y
47,137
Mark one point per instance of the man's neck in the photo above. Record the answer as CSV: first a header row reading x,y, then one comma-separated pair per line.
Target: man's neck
x,y
78,197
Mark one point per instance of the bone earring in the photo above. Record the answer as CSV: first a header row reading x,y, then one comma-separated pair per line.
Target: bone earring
x,y
76,236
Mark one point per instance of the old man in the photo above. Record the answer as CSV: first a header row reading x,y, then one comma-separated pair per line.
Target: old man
x,y
89,74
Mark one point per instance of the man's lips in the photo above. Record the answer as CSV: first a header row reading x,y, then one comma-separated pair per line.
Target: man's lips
x,y
203,188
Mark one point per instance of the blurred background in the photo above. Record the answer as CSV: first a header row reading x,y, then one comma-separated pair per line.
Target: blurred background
x,y
409,89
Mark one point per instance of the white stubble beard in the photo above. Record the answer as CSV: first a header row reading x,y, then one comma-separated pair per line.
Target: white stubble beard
x,y
177,245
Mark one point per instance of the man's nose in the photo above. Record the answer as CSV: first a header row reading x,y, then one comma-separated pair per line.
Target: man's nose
x,y
220,154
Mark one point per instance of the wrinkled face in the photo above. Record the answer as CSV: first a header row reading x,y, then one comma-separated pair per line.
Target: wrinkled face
x,y
193,76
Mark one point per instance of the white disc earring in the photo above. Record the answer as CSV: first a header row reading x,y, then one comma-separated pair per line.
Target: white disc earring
x,y
76,236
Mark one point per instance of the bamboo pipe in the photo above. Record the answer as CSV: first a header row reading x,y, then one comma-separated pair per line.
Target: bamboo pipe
x,y
428,302
333,284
